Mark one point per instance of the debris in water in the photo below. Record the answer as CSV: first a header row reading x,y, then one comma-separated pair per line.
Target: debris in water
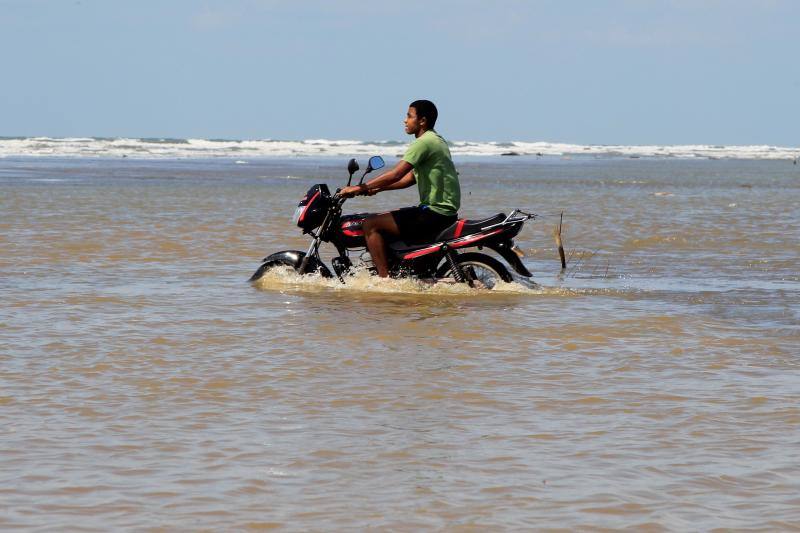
x,y
559,243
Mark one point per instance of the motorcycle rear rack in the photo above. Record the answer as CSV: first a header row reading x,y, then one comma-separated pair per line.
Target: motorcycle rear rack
x,y
511,220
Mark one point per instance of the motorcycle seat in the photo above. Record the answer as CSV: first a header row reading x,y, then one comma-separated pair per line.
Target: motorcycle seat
x,y
465,227
401,246
459,228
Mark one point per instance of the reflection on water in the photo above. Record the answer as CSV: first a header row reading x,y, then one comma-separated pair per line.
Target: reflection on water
x,y
651,385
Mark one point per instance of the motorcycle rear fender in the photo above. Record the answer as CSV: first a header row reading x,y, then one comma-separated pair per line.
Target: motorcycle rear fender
x,y
504,249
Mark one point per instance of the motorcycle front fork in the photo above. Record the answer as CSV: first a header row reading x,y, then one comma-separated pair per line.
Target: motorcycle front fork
x,y
312,249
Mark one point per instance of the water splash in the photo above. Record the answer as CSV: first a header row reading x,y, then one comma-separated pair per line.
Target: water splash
x,y
286,279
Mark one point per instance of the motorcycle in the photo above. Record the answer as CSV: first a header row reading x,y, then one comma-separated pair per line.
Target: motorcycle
x,y
443,259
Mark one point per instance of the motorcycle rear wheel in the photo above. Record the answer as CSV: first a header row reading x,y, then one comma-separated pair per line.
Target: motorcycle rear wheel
x,y
486,271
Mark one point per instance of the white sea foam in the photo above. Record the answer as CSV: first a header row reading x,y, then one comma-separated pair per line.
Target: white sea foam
x,y
238,149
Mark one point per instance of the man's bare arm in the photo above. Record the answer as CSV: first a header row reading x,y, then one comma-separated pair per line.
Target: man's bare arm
x,y
406,181
382,182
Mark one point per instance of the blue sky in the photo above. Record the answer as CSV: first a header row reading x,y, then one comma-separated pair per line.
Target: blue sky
x,y
594,72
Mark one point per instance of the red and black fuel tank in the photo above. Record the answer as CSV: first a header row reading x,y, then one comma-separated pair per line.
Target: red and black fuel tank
x,y
350,232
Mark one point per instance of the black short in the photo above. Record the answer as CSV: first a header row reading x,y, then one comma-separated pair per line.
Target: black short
x,y
420,223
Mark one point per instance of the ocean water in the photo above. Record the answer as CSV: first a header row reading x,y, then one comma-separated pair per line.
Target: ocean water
x,y
145,384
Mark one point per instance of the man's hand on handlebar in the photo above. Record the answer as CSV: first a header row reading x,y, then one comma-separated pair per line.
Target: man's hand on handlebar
x,y
355,190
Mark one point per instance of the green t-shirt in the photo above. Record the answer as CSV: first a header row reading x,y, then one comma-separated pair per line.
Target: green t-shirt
x,y
437,179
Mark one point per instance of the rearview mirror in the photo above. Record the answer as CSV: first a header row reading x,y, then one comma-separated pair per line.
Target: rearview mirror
x,y
375,162
352,166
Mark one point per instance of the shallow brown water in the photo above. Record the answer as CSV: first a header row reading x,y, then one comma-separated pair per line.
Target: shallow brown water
x,y
145,384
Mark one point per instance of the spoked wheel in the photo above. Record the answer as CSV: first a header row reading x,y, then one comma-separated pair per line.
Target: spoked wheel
x,y
484,271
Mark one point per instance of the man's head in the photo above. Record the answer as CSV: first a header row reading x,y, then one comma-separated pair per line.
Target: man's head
x,y
421,117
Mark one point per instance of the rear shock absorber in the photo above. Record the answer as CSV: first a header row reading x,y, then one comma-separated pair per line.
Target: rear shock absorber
x,y
455,268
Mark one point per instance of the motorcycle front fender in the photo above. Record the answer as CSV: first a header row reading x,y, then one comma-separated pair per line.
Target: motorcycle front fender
x,y
291,258
504,249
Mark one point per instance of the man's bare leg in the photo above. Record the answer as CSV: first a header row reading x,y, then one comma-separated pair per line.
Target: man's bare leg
x,y
376,228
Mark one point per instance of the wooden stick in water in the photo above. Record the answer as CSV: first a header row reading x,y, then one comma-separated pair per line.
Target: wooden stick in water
x,y
559,243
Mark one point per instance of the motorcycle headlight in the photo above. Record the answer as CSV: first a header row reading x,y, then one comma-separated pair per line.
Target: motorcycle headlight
x,y
297,213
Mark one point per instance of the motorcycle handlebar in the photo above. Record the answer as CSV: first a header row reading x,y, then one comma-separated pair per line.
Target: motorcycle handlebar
x,y
339,199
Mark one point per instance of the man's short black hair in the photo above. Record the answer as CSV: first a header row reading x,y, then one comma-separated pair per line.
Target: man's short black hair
x,y
425,108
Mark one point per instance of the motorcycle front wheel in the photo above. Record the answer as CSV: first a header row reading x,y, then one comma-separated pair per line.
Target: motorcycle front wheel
x,y
485,271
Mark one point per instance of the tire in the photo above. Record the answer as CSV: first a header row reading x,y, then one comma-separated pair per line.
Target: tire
x,y
484,269
293,261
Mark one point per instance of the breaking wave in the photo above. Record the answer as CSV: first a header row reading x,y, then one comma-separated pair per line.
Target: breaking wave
x,y
149,148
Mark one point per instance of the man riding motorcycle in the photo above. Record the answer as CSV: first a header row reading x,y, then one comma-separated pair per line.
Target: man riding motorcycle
x,y
428,163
